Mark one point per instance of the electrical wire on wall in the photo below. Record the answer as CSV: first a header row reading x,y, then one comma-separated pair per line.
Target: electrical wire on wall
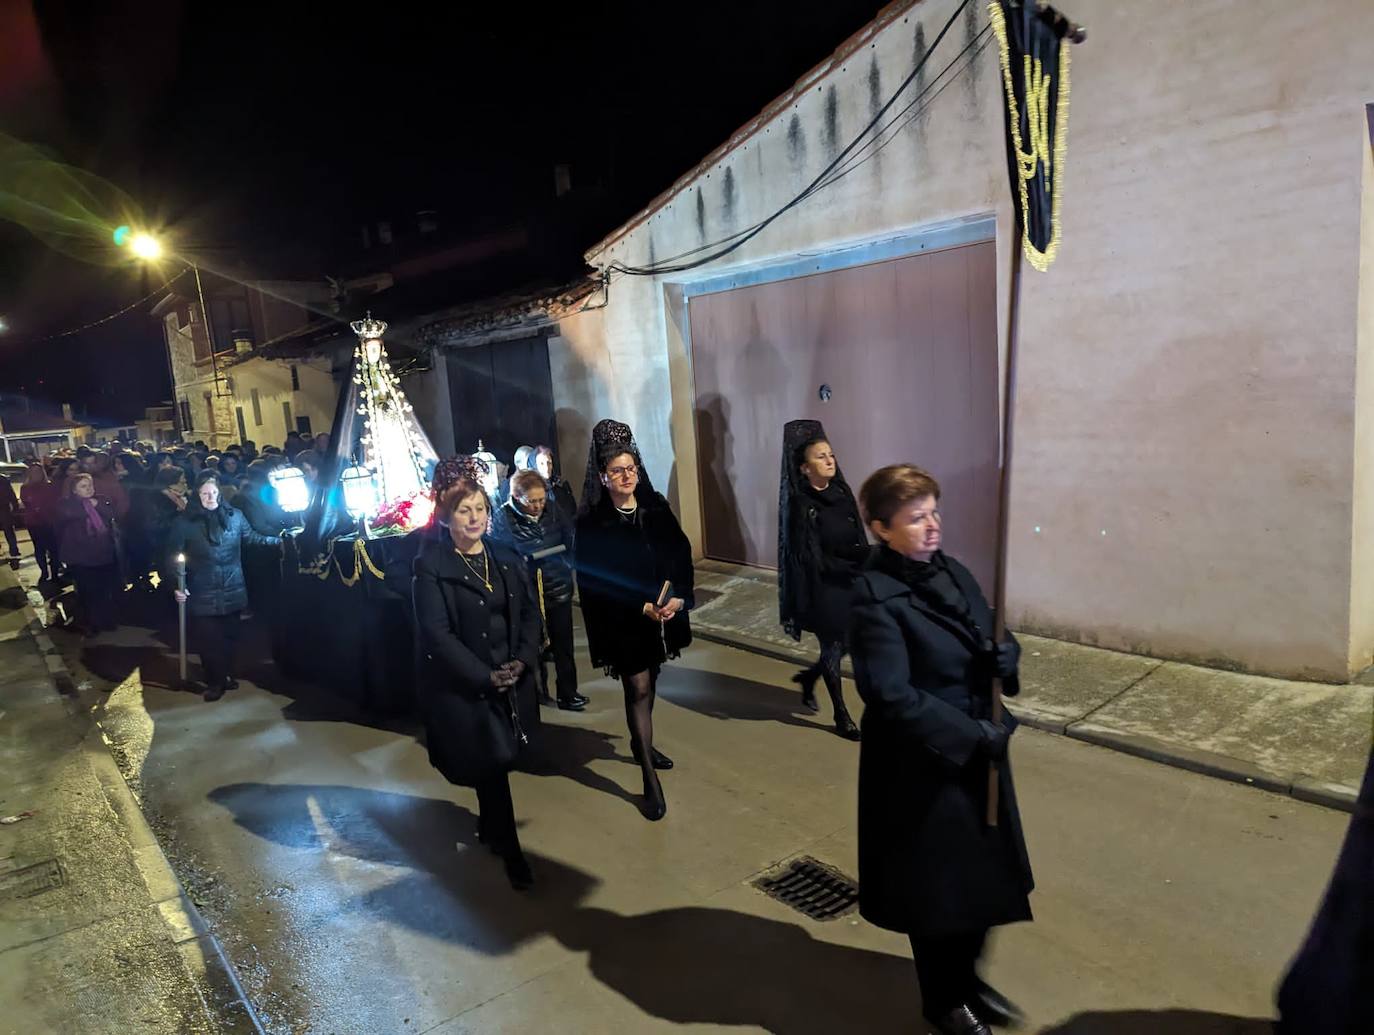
x,y
844,163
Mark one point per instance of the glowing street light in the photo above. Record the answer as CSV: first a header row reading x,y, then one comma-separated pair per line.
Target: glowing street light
x,y
148,248
145,246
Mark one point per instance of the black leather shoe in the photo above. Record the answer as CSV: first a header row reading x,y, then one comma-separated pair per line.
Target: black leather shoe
x,y
575,703
214,693
959,1021
231,684
518,870
806,679
996,1007
658,758
844,726
655,806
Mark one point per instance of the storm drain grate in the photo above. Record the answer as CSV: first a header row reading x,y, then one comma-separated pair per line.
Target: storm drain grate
x,y
31,880
811,888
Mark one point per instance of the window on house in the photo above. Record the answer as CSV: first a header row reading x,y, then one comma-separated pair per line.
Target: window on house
x,y
303,426
229,315
295,380
200,345
287,422
257,409
243,431
186,424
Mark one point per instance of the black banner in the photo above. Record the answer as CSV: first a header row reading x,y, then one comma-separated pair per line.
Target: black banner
x,y
1035,80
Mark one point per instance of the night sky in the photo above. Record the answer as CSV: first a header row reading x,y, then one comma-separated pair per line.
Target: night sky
x,y
266,135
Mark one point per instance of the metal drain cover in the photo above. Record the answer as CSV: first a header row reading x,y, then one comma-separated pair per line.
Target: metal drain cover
x,y
31,880
812,888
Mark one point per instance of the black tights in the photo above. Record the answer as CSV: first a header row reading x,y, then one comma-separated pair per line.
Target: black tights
x,y
640,690
947,968
828,669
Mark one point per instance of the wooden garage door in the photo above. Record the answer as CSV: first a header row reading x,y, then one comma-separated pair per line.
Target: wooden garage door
x,y
501,394
908,350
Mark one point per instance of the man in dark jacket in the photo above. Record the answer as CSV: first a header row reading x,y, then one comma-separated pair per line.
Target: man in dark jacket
x,y
9,509
544,536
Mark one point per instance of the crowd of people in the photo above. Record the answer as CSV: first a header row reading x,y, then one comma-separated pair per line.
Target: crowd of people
x,y
495,576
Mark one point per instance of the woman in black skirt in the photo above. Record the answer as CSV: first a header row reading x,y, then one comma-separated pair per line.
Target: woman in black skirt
x,y
821,545
929,866
478,634
629,549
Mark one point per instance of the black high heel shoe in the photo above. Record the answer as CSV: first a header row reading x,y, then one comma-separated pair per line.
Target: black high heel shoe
x,y
844,725
996,1008
806,679
655,806
658,759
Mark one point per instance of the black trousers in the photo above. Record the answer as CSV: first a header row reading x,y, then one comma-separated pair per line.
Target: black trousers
x,y
559,622
7,523
44,549
947,969
214,638
496,814
97,588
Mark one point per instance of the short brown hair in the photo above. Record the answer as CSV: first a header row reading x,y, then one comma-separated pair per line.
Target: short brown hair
x,y
890,488
455,492
76,478
523,481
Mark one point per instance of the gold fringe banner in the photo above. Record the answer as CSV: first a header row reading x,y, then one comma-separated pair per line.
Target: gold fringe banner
x,y
1037,86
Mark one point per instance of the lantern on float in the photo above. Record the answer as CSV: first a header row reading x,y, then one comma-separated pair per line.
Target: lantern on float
x,y
361,497
293,495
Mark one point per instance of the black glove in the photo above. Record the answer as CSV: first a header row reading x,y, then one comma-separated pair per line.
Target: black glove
x,y
995,737
1006,658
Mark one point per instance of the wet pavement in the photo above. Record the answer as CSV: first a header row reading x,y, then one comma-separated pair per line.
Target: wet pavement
x,y
94,934
343,877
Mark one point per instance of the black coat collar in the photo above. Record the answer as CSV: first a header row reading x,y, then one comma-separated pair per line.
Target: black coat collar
x,y
888,587
450,567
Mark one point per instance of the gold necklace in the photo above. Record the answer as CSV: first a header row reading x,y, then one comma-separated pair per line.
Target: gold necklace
x,y
485,577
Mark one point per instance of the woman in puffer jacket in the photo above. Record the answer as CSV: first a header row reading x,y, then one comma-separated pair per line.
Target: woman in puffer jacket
x,y
211,535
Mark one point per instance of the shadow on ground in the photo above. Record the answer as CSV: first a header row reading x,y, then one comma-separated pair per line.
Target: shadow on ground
x,y
568,751
724,696
687,965
1160,1022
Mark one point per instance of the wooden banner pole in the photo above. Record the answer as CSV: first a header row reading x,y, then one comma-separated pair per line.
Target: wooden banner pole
x,y
999,591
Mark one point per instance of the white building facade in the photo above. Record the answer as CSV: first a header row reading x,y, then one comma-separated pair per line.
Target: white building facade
x,y
1194,474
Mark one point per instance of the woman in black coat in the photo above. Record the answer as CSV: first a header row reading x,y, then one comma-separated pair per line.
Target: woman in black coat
x,y
821,545
929,866
477,637
211,536
530,523
153,509
560,492
629,545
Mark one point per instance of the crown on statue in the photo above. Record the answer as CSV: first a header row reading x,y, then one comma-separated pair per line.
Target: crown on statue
x,y
368,329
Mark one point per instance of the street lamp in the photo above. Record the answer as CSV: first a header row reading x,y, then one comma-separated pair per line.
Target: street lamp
x,y
147,248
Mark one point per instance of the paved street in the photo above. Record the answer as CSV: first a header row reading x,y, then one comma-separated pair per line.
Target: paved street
x,y
344,879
